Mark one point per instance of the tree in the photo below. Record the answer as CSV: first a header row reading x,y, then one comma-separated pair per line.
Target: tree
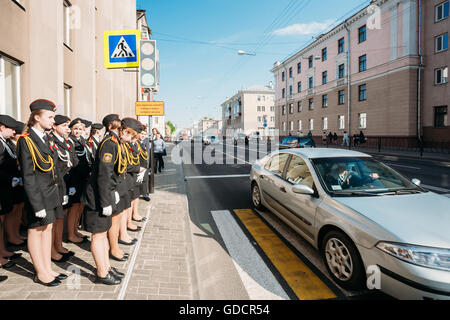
x,y
172,127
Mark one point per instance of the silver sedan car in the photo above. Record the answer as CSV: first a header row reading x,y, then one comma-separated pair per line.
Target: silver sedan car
x,y
372,226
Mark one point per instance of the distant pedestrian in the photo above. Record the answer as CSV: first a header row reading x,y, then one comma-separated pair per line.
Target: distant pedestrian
x,y
159,148
324,138
345,139
309,134
362,138
335,137
330,138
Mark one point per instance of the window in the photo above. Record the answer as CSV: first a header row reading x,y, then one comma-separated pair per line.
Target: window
x,y
310,82
263,98
272,119
291,125
259,98
341,122
290,72
362,34
283,110
362,63
442,42
291,108
441,11
272,108
299,67
310,61
341,71
441,75
258,108
283,76
284,126
299,86
324,77
259,119
324,101
67,100
263,108
283,93
299,125
277,163
9,88
324,54
298,172
311,124
67,23
324,123
362,120
341,97
290,90
362,92
311,104
440,117
341,43
299,106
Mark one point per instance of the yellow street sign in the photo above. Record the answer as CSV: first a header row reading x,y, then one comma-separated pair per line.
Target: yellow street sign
x,y
150,108
121,48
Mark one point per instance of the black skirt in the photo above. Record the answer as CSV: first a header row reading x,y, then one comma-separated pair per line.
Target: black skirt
x,y
59,213
95,222
6,201
18,195
35,222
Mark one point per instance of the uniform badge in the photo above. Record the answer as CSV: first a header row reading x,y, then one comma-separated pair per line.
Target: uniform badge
x,y
107,157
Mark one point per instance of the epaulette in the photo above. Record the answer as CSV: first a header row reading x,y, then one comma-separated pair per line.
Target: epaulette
x,y
90,140
26,134
114,139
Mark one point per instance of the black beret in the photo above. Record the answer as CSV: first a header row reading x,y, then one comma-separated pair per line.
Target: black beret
x,y
75,121
110,118
20,126
7,121
60,119
97,126
133,124
87,123
42,104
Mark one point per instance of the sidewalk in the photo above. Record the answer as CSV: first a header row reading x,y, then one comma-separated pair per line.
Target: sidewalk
x,y
160,264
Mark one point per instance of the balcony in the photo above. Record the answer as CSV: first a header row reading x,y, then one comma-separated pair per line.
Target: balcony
x,y
310,92
340,82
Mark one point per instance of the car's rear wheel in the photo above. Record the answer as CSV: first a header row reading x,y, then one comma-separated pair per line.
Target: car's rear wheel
x,y
256,196
343,261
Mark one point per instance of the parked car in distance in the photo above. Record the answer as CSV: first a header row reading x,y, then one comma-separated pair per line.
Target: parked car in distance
x,y
360,214
297,142
197,139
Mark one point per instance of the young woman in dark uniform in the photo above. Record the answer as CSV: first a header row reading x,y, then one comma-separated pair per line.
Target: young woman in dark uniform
x,y
8,168
40,179
143,186
63,164
101,199
79,175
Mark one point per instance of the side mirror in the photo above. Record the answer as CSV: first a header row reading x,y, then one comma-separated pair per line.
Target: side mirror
x,y
416,181
302,189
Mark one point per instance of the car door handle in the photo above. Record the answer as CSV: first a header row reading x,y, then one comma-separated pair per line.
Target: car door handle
x,y
283,189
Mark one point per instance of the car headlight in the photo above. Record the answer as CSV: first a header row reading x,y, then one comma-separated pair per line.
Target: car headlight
x,y
436,258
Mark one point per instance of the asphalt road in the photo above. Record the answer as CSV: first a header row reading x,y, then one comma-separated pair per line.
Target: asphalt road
x,y
232,263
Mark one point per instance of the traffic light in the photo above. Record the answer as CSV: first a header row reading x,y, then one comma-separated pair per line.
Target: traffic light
x,y
148,64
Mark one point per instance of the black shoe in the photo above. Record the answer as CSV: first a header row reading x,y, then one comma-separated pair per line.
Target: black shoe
x,y
14,256
61,277
132,242
142,220
116,273
3,278
8,265
109,280
64,258
53,283
146,198
70,253
124,258
85,239
135,230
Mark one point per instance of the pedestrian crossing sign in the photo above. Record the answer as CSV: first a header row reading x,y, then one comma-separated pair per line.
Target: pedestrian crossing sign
x,y
121,48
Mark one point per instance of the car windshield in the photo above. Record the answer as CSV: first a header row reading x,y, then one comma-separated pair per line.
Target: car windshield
x,y
361,176
289,140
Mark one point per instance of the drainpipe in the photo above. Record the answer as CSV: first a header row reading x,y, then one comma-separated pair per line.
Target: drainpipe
x,y
419,79
348,85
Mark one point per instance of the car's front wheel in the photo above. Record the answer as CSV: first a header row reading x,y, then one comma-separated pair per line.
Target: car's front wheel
x,y
256,196
343,261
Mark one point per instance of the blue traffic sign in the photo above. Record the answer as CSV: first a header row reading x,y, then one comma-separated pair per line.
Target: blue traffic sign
x,y
122,48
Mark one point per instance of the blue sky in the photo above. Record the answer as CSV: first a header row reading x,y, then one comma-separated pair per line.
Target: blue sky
x,y
198,42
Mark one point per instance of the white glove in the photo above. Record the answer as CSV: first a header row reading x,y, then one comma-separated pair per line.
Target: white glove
x,y
107,211
41,214
65,200
117,197
140,177
72,191
15,182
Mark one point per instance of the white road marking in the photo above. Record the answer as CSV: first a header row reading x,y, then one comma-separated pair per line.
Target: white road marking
x,y
400,165
433,188
218,176
133,259
258,280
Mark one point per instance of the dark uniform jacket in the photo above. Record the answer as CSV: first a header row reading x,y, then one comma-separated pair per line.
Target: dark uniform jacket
x,y
92,147
133,167
143,154
80,172
106,179
40,183
8,170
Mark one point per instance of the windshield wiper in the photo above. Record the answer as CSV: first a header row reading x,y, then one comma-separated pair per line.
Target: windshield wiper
x,y
355,193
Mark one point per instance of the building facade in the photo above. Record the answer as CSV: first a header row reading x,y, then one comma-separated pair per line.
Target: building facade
x,y
249,111
53,49
360,76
